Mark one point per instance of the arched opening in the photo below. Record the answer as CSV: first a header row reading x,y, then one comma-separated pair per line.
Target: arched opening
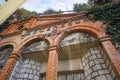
x,y
33,64
82,58
5,52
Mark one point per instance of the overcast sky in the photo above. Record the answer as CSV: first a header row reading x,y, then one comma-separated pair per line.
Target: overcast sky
x,y
41,5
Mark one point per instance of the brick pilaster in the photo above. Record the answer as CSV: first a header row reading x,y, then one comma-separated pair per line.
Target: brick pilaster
x,y
9,66
51,73
112,53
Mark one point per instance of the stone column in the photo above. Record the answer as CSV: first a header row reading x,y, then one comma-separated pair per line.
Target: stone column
x,y
112,53
9,66
51,73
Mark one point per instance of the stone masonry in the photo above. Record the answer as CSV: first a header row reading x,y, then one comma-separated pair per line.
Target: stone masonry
x,y
97,66
26,70
4,54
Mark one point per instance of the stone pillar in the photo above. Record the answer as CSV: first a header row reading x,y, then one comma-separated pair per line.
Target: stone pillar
x,y
112,53
51,73
9,66
26,69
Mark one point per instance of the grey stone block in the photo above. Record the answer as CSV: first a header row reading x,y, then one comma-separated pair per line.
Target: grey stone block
x,y
26,61
30,71
104,66
36,77
91,63
109,77
99,55
86,61
32,62
21,75
34,72
17,76
94,74
97,67
38,68
83,58
103,71
31,76
89,77
28,66
89,54
90,58
107,63
113,74
37,64
25,75
94,56
102,77
83,63
33,67
22,70
89,71
38,73
100,60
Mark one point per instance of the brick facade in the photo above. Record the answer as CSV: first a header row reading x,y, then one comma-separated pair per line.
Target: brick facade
x,y
97,59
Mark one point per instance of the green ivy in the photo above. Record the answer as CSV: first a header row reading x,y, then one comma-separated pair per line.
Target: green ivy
x,y
110,14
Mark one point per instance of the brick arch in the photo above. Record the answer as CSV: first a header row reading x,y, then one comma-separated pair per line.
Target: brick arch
x,y
98,33
12,43
5,55
32,39
90,30
4,45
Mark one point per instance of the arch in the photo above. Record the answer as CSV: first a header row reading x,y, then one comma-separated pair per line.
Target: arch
x,y
32,39
5,52
31,60
85,54
76,37
14,44
80,28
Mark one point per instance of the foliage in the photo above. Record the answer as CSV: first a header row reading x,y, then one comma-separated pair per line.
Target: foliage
x,y
100,2
49,11
81,7
19,14
23,13
60,12
110,14
52,11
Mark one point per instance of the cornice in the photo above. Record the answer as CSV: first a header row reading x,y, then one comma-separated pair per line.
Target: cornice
x,y
47,24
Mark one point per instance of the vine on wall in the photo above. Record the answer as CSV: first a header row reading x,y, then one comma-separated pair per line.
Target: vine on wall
x,y
110,14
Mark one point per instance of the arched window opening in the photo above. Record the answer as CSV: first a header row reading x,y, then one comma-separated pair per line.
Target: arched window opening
x,y
75,38
82,58
34,62
36,46
5,52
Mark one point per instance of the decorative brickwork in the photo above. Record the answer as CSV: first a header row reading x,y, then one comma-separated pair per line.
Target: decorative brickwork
x,y
53,41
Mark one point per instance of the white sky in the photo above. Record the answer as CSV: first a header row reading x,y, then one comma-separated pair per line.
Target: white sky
x,y
2,1
41,5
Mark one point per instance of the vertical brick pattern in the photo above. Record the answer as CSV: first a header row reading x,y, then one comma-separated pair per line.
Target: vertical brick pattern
x,y
26,70
8,68
97,66
52,65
